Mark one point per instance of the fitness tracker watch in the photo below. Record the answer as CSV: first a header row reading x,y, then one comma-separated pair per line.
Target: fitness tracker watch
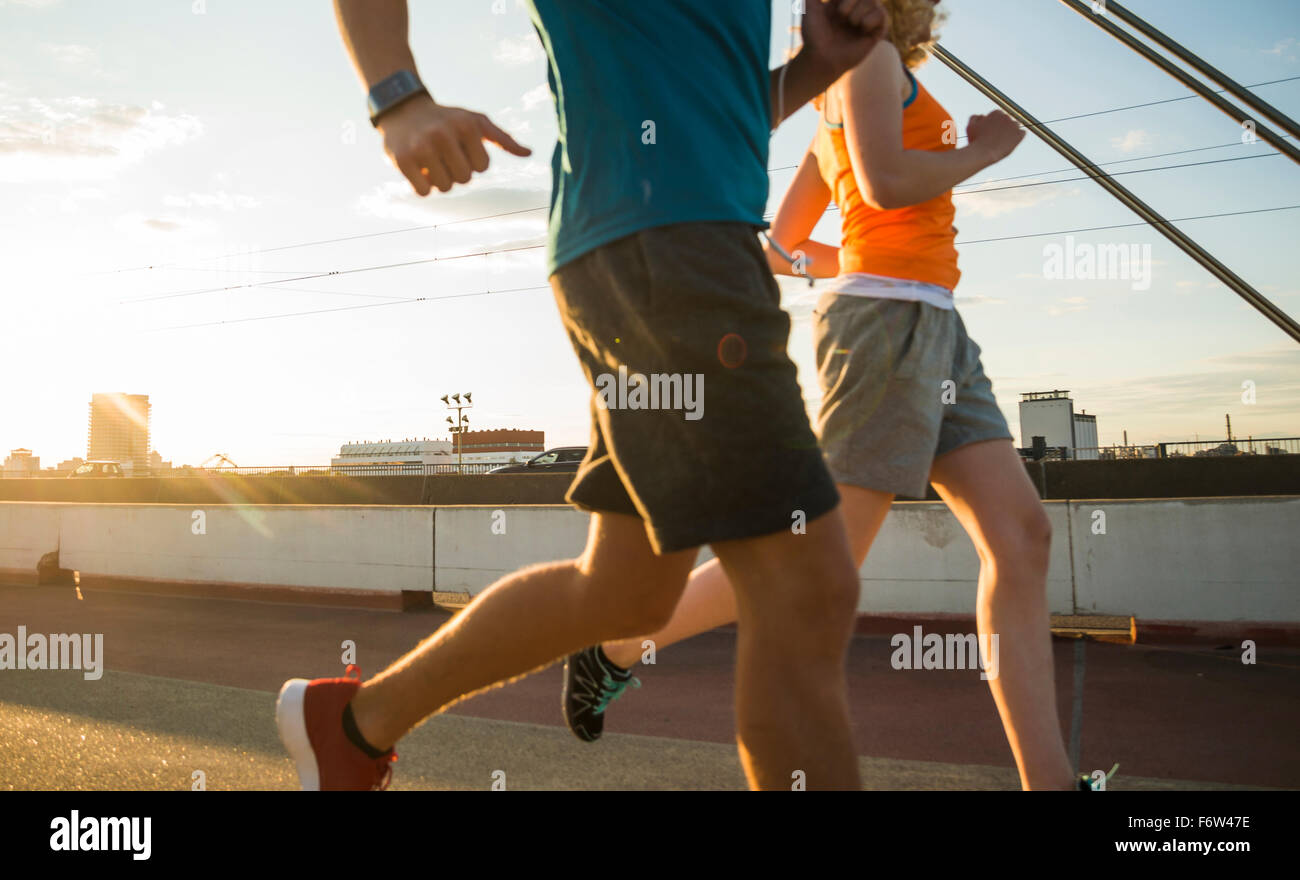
x,y
392,91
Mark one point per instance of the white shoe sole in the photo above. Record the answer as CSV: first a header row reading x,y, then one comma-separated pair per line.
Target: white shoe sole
x,y
292,722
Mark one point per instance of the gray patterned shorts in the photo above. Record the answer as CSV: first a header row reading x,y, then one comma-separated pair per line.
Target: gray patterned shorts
x,y
902,384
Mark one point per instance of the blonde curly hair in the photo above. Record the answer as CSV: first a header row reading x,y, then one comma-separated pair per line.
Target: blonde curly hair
x,y
908,21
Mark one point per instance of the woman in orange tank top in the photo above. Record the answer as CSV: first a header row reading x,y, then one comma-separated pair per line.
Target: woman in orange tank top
x,y
905,402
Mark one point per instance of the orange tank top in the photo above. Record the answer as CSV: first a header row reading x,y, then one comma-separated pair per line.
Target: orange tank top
x,y
914,243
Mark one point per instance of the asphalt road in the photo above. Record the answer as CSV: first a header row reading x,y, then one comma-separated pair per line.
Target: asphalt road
x,y
189,685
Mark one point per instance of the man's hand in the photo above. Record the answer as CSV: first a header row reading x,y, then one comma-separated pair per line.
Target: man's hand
x,y
840,33
436,146
995,133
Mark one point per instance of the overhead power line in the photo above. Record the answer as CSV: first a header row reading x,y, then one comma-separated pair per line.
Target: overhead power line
x,y
407,300
184,293
397,302
431,226
307,275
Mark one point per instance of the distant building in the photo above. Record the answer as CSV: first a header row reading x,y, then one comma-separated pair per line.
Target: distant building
x,y
157,464
500,446
119,430
1051,415
69,465
423,451
21,462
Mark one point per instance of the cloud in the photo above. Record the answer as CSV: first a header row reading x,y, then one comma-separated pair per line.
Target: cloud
x,y
74,138
979,300
472,220
222,200
1283,49
1072,304
535,96
516,51
71,54
996,202
143,227
1133,140
1173,407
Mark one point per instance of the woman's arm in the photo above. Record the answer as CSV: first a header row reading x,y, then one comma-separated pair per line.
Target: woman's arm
x,y
889,176
801,207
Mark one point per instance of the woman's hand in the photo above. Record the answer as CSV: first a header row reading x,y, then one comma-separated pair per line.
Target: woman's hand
x,y
995,134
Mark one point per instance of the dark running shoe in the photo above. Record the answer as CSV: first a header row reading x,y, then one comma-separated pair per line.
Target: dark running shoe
x,y
1087,783
591,683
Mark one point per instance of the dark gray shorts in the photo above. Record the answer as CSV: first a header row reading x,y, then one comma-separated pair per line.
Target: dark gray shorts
x,y
692,305
901,385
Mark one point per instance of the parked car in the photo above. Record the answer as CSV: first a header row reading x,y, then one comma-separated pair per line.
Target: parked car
x,y
559,460
98,469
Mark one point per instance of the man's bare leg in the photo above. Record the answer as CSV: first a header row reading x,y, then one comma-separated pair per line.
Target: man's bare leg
x,y
709,601
796,596
525,621
987,488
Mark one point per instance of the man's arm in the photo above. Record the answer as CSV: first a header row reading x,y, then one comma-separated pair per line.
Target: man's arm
x,y
432,145
837,34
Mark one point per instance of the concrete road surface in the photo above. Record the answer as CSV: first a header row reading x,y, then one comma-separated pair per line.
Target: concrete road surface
x,y
189,686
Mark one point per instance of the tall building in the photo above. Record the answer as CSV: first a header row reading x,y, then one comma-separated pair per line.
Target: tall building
x,y
1051,415
119,429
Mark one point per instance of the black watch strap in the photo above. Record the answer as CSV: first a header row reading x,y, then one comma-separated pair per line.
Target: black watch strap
x,y
392,91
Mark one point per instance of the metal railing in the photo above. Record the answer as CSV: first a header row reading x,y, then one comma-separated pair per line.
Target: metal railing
x,y
342,470
1249,446
1192,449
1115,453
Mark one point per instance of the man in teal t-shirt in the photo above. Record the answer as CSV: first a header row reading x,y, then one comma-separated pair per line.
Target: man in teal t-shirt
x,y
644,141
664,112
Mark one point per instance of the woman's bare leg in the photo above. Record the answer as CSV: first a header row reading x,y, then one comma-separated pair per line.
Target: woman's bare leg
x,y
709,601
986,487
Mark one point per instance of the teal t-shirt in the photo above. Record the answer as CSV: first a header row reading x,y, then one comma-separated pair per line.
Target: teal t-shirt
x,y
663,115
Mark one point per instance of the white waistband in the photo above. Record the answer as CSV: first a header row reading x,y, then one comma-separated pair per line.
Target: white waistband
x,y
883,287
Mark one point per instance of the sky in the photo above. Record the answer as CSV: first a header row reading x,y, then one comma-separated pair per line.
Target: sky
x,y
210,139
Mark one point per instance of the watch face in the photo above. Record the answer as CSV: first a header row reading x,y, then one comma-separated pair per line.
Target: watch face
x,y
393,90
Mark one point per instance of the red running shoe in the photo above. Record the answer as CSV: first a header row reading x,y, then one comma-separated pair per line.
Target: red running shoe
x,y
309,715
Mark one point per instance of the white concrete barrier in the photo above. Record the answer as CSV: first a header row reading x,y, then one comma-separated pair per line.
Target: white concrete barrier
x,y
1220,559
922,562
478,545
381,549
27,532
1216,559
